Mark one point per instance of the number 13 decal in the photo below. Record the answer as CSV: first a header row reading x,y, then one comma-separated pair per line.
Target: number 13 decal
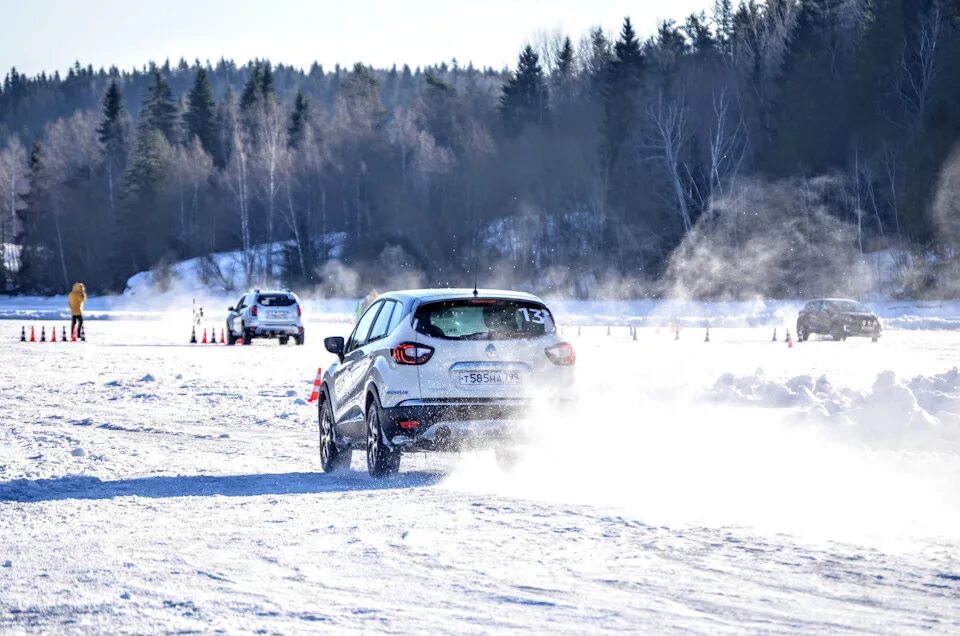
x,y
532,315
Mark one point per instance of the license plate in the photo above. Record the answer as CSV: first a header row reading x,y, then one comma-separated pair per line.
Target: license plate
x,y
490,378
277,315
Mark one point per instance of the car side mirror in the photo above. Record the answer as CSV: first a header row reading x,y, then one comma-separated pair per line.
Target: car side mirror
x,y
335,345
230,308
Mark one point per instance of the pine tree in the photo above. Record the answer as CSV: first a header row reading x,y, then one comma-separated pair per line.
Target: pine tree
x,y
146,225
620,92
253,89
113,134
723,19
266,80
159,111
37,238
565,61
525,100
200,116
298,121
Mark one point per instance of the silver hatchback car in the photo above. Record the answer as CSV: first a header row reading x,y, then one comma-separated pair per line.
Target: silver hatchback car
x,y
266,314
438,370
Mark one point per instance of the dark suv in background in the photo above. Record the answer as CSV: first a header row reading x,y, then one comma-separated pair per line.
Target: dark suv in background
x,y
839,318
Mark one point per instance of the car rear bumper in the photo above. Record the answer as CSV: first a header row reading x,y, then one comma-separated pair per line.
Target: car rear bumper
x,y
277,330
454,424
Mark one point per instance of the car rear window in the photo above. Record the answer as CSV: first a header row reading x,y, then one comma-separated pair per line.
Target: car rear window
x,y
849,305
276,300
484,319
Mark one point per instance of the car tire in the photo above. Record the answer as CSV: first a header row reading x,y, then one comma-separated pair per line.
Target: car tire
x,y
283,340
381,460
875,339
803,334
231,339
247,335
299,339
332,459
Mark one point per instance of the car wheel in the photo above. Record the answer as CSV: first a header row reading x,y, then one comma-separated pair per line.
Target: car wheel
x,y
247,335
231,339
875,339
803,333
837,334
299,339
381,460
332,459
283,340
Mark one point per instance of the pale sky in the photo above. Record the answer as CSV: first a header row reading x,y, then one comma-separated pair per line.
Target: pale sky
x,y
49,35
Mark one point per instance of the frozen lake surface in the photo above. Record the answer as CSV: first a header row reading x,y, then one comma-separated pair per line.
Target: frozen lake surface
x,y
147,485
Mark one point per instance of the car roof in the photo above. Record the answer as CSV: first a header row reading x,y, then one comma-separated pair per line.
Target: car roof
x,y
433,295
836,300
273,291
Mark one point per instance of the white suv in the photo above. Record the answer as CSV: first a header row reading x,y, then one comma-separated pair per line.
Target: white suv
x,y
266,314
431,369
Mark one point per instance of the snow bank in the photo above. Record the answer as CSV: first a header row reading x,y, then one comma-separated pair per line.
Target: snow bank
x,y
921,414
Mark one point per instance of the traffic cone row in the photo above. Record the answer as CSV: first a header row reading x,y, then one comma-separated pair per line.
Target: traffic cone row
x,y
212,339
315,394
75,335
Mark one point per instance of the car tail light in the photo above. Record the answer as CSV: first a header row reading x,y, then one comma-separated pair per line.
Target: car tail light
x,y
253,310
562,354
411,353
409,425
299,311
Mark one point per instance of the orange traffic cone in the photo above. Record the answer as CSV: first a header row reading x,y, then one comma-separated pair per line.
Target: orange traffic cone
x,y
222,339
315,395
53,334
73,333
204,340
789,340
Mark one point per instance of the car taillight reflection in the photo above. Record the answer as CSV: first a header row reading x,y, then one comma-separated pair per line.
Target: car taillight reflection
x,y
562,354
411,353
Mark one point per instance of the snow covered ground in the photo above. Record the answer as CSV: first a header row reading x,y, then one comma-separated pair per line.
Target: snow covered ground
x,y
147,485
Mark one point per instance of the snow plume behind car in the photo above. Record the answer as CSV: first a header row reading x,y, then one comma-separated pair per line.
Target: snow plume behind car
x,y
784,239
798,456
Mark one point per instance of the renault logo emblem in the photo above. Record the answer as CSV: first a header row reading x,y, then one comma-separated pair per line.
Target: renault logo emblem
x,y
491,351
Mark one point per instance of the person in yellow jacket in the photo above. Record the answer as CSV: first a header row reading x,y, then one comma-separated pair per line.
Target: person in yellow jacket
x,y
75,300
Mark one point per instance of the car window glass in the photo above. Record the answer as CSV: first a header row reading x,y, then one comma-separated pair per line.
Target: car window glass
x,y
275,300
484,319
359,337
396,318
240,303
382,326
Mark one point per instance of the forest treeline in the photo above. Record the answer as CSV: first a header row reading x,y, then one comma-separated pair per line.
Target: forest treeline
x,y
830,123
